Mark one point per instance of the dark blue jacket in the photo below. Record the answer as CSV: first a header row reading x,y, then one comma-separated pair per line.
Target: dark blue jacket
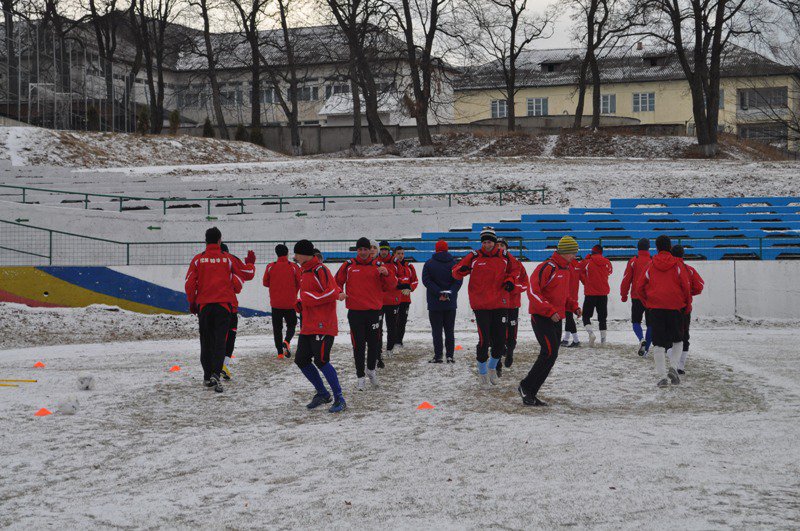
x,y
437,277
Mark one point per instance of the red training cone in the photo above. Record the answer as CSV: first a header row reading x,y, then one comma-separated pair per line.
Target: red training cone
x,y
459,347
174,368
43,412
39,365
426,405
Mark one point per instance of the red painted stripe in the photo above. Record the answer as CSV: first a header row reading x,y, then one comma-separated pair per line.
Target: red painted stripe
x,y
480,337
322,351
5,296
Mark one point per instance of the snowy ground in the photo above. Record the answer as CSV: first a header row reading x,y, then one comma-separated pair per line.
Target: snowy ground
x,y
150,448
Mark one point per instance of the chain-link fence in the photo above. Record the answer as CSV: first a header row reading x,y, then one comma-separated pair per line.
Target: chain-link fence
x,y
22,244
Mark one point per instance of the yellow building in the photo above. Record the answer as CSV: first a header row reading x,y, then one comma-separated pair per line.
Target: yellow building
x,y
758,96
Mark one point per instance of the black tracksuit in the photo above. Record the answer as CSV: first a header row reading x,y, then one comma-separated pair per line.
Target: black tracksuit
x,y
364,335
570,323
278,317
548,333
402,320
214,325
592,302
511,332
233,326
443,321
491,333
389,314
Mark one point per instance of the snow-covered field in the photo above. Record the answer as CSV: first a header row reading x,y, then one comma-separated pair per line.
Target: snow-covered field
x,y
152,448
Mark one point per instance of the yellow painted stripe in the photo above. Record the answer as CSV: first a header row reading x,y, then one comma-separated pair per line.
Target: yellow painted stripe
x,y
37,285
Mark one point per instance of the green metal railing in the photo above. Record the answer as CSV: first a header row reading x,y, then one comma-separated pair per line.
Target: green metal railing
x,y
282,202
26,245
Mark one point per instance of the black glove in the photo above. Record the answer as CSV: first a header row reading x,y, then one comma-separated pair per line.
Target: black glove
x,y
194,308
404,286
508,286
464,269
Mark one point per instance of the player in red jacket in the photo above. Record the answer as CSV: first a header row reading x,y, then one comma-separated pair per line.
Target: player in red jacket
x,y
320,325
594,276
549,299
211,284
248,269
634,272
282,278
407,282
364,281
514,304
391,302
570,337
696,285
664,290
491,282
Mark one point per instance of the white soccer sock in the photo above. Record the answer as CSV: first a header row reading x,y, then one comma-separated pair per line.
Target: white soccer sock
x,y
566,335
603,336
675,355
682,362
661,363
589,328
575,337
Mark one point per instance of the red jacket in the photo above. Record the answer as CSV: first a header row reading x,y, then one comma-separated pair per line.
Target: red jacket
x,y
696,284
363,284
391,295
248,272
520,285
634,272
488,273
549,290
318,295
214,277
282,277
575,270
596,270
665,284
406,274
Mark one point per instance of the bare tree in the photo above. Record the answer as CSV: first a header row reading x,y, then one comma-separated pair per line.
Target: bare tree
x,y
205,7
357,20
599,23
505,29
700,32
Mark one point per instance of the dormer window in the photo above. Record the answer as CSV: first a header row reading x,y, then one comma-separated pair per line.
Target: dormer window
x,y
550,67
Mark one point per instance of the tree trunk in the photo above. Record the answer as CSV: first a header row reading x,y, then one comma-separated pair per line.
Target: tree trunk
x,y
581,92
356,142
216,102
595,90
11,56
255,69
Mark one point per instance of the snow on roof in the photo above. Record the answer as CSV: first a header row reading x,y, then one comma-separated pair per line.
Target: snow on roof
x,y
617,64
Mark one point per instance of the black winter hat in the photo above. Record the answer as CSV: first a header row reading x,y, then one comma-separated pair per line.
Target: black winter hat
x,y
644,244
223,247
363,242
488,234
677,251
384,245
304,247
663,243
281,250
213,235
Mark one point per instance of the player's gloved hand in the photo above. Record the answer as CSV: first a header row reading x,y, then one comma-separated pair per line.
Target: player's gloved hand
x,y
464,269
508,286
194,308
624,298
251,258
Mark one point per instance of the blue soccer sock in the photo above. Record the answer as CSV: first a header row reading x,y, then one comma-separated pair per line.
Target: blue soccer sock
x,y
637,329
333,379
483,367
493,363
311,372
648,338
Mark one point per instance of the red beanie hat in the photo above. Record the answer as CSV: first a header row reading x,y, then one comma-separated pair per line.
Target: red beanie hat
x,y
441,246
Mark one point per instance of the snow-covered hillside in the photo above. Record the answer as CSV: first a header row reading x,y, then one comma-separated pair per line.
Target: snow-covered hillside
x,y
33,146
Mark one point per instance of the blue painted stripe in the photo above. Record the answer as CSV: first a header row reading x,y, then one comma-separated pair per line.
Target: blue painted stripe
x,y
115,284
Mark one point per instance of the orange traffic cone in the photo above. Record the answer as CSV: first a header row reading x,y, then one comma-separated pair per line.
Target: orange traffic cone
x,y
43,412
426,405
39,365
174,368
459,347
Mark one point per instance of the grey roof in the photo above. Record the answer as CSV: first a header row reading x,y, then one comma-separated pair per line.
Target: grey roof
x,y
617,64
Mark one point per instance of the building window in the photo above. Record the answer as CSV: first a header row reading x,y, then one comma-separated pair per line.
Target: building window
x,y
764,98
499,108
773,134
338,88
307,93
644,101
537,106
608,104
721,99
231,94
268,96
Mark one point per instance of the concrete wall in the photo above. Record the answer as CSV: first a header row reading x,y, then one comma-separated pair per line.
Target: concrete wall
x,y
746,289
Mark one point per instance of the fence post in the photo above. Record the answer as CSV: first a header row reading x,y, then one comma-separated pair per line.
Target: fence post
x,y
23,194
761,248
128,254
449,200
51,246
241,205
323,203
120,203
394,201
164,201
86,201
280,204
501,198
208,207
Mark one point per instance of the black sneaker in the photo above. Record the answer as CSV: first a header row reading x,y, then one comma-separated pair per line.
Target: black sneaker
x,y
318,400
436,360
508,362
499,369
529,400
207,383
450,359
380,363
215,383
642,348
681,372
